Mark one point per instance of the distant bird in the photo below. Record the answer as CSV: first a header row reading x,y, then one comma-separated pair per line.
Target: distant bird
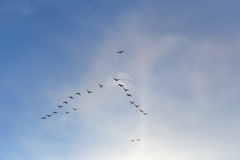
x,y
120,52
43,118
67,112
54,112
145,113
120,85
78,94
65,102
131,102
49,115
140,110
136,106
125,89
129,95
60,106
138,139
100,85
71,97
74,109
116,79
89,91
132,140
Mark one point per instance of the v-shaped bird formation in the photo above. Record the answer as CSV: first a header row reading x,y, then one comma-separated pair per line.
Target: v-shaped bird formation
x,y
118,83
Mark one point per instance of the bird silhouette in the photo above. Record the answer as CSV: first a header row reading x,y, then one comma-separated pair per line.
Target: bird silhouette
x,y
145,113
67,112
65,102
140,110
43,118
125,89
70,97
120,85
74,109
60,106
116,79
129,95
100,85
54,112
89,91
78,94
132,140
131,102
136,106
120,52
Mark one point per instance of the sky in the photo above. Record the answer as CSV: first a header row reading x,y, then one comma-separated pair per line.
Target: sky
x,y
180,64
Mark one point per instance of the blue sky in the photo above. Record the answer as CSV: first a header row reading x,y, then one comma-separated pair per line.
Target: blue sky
x,y
180,63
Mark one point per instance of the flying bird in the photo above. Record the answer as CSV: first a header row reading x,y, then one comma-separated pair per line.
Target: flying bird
x,y
140,110
65,102
100,85
54,112
71,97
67,112
120,85
49,115
125,89
89,91
43,118
138,139
145,113
116,79
120,52
74,109
136,106
131,102
132,140
78,94
129,95
60,106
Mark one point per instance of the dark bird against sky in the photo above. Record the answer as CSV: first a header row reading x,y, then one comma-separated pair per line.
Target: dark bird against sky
x,y
78,94
116,79
89,91
120,52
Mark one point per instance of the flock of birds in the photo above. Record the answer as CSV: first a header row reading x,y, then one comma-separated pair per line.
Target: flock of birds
x,y
90,92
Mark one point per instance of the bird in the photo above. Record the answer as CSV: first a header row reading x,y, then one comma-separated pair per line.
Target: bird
x,y
136,106
78,94
140,110
60,106
89,91
54,112
125,89
132,140
138,139
67,112
65,102
74,109
100,85
49,115
129,95
43,118
120,52
71,97
116,79
145,113
120,85
131,102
